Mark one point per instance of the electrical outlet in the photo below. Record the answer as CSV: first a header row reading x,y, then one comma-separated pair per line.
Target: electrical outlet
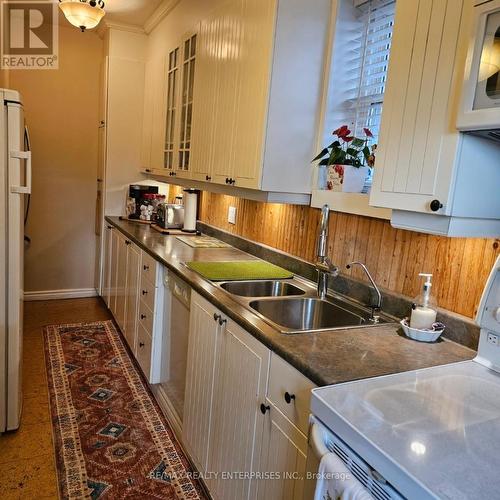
x,y
231,215
492,339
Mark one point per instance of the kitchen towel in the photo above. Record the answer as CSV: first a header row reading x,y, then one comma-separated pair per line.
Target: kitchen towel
x,y
336,482
239,270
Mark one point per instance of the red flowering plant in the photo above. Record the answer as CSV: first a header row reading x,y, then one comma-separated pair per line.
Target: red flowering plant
x,y
348,150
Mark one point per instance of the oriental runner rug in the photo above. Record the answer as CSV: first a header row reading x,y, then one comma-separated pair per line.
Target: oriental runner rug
x,y
110,437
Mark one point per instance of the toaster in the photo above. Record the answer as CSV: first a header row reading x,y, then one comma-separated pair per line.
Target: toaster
x,y
170,216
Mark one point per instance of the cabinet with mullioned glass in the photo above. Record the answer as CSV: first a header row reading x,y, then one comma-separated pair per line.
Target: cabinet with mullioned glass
x,y
179,108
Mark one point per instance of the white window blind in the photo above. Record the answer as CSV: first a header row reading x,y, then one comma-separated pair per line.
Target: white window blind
x,y
369,61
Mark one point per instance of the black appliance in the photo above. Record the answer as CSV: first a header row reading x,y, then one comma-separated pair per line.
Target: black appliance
x,y
137,192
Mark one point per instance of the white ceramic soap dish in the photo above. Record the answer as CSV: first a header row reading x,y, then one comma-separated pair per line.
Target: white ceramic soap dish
x,y
422,335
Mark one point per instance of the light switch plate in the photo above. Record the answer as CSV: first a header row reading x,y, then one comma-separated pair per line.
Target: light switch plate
x,y
231,215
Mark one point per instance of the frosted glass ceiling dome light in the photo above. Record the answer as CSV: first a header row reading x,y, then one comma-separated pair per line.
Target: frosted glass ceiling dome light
x,y
84,14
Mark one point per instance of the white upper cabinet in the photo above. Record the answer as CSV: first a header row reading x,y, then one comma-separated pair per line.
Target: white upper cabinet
x,y
186,103
418,139
423,168
258,94
171,110
168,109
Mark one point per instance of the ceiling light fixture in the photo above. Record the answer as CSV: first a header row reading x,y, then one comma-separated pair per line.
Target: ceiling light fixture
x,y
84,14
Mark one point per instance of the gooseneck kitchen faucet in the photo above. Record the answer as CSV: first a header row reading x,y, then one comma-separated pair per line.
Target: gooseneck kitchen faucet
x,y
375,307
323,264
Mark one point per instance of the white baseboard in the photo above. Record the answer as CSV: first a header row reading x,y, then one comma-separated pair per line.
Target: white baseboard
x,y
77,293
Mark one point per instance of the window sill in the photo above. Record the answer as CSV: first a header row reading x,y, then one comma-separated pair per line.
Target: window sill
x,y
351,203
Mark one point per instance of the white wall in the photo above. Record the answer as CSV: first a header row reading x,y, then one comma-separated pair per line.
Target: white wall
x,y
62,113
126,52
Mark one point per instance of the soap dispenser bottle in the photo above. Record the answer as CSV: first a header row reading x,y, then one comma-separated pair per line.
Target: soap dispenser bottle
x,y
424,308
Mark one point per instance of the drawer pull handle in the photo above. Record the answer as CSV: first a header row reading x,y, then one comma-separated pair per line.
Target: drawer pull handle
x,y
144,292
143,316
146,267
264,408
289,397
141,344
217,317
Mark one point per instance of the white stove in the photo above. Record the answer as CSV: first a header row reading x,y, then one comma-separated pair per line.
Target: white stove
x,y
431,433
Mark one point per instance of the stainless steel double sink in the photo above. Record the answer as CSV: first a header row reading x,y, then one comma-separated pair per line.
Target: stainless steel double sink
x,y
291,306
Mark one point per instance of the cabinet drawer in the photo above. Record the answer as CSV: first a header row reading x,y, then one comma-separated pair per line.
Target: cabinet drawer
x,y
147,293
143,350
148,268
146,317
284,381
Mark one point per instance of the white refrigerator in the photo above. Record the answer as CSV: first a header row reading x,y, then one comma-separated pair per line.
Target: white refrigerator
x,y
15,186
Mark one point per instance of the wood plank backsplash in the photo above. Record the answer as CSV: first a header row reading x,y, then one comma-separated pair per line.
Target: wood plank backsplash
x,y
394,256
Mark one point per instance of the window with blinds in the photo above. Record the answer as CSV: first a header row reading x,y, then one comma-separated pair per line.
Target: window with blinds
x,y
377,17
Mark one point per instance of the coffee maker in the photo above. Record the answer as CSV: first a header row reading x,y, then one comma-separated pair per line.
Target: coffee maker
x,y
136,192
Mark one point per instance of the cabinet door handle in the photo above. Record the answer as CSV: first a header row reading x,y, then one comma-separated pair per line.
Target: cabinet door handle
x,y
217,317
233,181
144,292
289,397
110,227
208,178
228,180
148,170
222,321
143,316
145,267
141,344
436,205
127,242
264,408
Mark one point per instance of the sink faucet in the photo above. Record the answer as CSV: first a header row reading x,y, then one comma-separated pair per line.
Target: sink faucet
x,y
323,264
374,307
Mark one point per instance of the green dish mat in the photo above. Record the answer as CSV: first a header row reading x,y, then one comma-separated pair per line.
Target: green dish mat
x,y
239,270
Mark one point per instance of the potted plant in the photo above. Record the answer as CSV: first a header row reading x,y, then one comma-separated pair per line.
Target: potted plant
x,y
347,161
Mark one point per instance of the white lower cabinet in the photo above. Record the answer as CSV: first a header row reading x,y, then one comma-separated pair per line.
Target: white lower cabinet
x,y
106,260
113,269
240,389
236,435
143,349
204,335
284,453
284,448
133,291
132,294
120,270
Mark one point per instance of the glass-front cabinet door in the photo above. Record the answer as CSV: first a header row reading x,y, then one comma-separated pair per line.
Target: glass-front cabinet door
x,y
186,105
171,111
179,108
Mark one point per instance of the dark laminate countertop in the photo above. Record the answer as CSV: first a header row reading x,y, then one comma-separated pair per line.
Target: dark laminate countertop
x,y
325,357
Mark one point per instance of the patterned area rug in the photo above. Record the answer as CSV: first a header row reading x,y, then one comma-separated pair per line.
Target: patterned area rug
x,y
111,439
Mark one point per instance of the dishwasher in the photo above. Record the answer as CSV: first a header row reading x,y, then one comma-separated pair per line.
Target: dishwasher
x,y
175,345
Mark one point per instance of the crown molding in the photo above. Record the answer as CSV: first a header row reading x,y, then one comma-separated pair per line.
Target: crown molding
x,y
163,9
106,25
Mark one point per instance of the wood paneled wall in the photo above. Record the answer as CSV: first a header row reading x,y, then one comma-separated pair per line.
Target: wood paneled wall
x,y
393,256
